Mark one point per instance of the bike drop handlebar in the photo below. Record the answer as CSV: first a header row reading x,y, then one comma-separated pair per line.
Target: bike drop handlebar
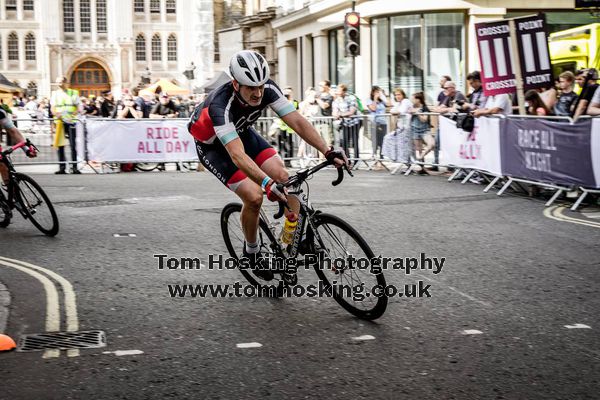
x,y
17,146
302,175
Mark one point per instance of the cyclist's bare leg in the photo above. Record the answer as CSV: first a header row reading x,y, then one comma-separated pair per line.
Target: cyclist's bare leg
x,y
275,168
4,173
252,197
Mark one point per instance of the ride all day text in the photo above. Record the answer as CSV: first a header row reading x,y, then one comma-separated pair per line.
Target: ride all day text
x,y
172,144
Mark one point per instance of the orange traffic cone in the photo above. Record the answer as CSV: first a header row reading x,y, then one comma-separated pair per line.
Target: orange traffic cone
x,y
6,343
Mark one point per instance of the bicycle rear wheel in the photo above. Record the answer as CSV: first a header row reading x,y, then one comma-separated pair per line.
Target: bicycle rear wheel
x,y
233,235
351,285
146,167
36,205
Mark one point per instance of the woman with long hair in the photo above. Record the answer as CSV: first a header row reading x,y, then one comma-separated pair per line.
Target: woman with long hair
x,y
535,105
420,127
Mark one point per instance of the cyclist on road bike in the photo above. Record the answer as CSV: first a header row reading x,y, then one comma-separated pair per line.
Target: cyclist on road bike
x,y
8,125
237,155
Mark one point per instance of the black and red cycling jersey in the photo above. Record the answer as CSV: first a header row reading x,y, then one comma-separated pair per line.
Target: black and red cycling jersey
x,y
221,115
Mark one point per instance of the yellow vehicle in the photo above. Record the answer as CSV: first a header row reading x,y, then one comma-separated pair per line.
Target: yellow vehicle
x,y
575,48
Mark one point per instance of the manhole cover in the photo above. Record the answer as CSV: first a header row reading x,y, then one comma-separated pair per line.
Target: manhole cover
x,y
62,341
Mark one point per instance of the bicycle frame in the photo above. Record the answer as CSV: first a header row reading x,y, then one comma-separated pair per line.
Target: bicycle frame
x,y
11,186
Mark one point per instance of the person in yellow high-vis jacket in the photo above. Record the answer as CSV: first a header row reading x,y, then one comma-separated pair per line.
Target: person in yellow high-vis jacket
x,y
65,105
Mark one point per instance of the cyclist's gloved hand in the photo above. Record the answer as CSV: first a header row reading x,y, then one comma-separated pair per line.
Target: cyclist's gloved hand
x,y
30,151
336,157
275,192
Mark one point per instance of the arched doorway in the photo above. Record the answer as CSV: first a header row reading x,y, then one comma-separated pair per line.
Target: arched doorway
x,y
90,78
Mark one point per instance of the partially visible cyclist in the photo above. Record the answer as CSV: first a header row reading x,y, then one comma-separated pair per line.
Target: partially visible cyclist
x,y
16,136
237,155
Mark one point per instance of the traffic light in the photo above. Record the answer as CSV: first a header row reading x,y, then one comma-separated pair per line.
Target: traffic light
x,y
352,34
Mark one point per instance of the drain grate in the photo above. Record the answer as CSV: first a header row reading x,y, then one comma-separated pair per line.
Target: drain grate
x,y
62,341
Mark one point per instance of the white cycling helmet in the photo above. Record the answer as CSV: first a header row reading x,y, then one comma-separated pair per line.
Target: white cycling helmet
x,y
249,68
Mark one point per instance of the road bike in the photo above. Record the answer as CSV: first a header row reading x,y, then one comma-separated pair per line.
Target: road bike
x,y
25,195
318,236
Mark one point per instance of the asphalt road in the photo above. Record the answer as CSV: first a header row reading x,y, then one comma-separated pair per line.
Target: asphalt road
x,y
495,326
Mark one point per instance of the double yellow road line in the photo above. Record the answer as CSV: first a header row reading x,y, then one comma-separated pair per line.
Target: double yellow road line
x,y
557,213
53,316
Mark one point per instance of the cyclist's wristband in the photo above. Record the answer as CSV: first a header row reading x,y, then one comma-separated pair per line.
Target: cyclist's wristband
x,y
265,181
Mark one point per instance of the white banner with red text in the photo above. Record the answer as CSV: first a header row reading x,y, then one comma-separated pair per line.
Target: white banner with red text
x,y
479,149
147,140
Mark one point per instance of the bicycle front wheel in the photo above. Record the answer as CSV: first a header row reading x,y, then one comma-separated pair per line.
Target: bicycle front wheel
x,y
36,205
352,285
233,235
5,213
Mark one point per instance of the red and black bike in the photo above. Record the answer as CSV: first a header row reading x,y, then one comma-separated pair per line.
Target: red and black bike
x,y
26,196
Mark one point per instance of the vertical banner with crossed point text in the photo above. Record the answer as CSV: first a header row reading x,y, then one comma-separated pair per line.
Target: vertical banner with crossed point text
x,y
498,61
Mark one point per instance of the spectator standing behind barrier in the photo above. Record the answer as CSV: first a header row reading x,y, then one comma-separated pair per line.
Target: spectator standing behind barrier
x,y
476,99
308,109
498,104
566,101
141,104
128,111
89,107
65,103
594,108
442,95
165,108
446,100
534,104
400,140
107,105
420,127
325,101
285,140
400,107
345,109
376,105
587,80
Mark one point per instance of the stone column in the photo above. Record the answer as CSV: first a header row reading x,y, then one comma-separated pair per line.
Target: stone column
x,y
288,60
19,10
321,56
308,61
21,41
93,21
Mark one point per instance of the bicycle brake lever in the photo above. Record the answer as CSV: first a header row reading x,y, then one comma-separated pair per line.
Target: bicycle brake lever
x,y
282,206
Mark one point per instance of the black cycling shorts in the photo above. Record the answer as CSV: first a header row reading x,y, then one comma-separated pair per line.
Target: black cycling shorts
x,y
216,159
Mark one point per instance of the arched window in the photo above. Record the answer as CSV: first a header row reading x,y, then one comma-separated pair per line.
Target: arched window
x,y
85,16
68,16
101,16
156,48
28,5
171,6
32,89
139,6
140,48
172,48
30,52
155,6
13,47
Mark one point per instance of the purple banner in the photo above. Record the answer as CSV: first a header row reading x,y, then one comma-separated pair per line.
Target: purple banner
x,y
546,151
